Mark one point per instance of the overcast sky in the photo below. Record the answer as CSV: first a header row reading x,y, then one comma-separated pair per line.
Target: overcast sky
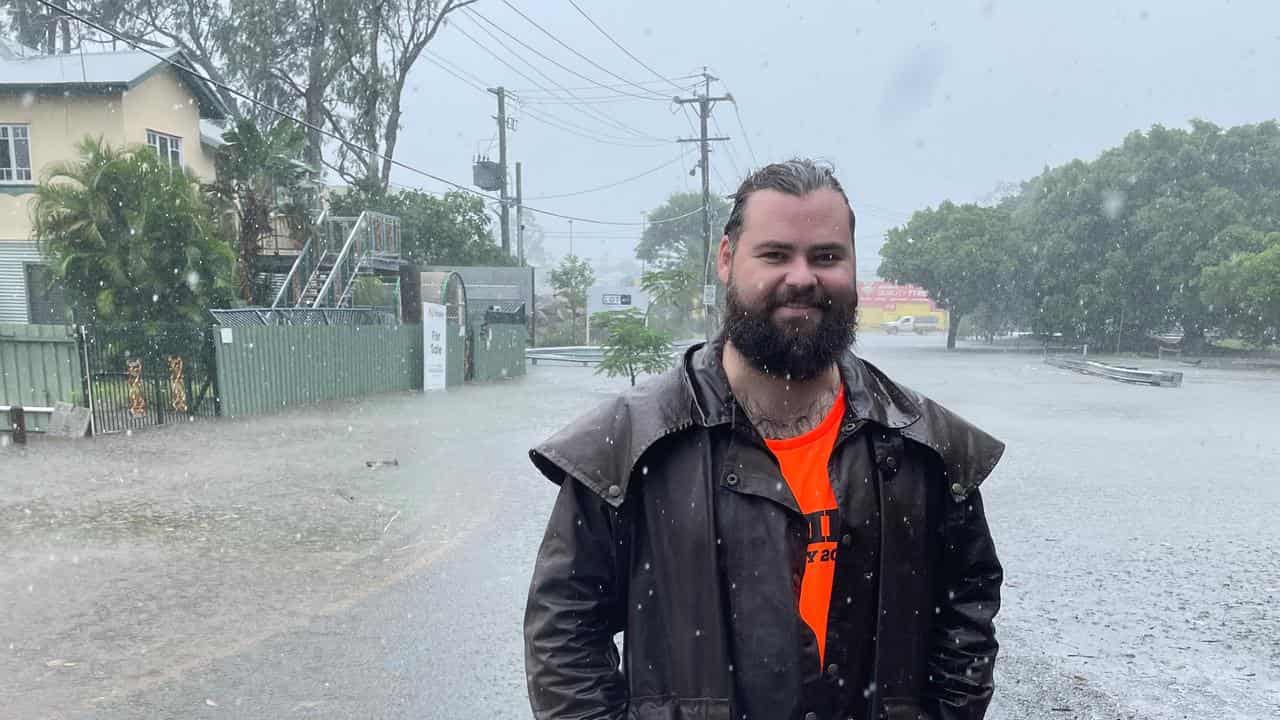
x,y
914,102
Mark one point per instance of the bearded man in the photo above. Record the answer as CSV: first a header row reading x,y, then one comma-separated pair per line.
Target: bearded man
x,y
778,530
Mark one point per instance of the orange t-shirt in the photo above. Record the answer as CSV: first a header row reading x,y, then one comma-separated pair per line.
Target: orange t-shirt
x,y
804,461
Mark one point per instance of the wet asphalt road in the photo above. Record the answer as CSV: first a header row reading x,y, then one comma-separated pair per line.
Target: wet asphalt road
x,y
1137,526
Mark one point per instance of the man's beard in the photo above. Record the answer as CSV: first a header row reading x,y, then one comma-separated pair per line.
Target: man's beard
x,y
794,350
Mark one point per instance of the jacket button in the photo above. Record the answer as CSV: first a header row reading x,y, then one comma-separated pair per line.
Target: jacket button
x,y
811,716
848,427
891,462
614,491
833,669
847,540
957,488
731,479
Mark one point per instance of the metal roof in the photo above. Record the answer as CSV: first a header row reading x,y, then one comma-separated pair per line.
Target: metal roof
x,y
121,69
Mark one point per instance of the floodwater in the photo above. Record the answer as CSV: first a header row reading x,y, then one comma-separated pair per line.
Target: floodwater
x,y
261,568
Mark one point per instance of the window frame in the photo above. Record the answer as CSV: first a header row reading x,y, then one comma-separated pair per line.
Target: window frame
x,y
172,143
8,136
52,304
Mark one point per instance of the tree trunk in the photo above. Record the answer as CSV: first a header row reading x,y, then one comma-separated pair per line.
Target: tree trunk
x,y
391,133
313,100
952,329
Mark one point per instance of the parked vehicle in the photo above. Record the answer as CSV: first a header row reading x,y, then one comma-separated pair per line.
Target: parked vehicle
x,y
918,324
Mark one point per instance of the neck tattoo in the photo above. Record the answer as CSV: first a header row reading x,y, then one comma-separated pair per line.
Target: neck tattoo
x,y
789,422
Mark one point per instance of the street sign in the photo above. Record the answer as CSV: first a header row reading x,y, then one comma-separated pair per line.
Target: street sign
x,y
615,299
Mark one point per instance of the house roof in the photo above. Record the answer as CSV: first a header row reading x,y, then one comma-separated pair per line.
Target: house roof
x,y
112,70
211,133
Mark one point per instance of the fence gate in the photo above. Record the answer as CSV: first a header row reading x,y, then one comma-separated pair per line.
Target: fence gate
x,y
146,374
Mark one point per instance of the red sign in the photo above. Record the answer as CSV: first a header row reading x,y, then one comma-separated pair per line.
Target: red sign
x,y
886,295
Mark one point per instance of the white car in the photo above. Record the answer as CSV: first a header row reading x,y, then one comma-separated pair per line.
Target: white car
x,y
911,323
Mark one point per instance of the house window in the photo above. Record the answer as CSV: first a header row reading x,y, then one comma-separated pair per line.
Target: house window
x,y
168,147
15,154
46,302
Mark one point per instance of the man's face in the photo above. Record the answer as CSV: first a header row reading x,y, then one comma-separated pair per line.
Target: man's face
x,y
792,297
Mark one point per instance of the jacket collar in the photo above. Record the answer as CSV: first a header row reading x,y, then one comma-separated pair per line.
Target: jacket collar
x,y
968,455
603,447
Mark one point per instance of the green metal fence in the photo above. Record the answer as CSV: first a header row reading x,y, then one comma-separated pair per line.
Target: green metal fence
x,y
268,368
39,365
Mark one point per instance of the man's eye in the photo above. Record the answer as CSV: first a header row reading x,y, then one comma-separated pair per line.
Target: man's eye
x,y
773,256
825,259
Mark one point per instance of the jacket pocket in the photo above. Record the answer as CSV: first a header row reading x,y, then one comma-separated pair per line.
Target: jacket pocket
x,y
676,708
903,709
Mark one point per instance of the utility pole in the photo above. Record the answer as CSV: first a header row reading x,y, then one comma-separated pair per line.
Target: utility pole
x,y
705,102
519,218
570,237
501,92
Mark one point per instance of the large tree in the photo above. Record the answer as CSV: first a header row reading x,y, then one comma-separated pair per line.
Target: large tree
x,y
962,254
672,248
667,241
131,238
1117,245
384,48
572,279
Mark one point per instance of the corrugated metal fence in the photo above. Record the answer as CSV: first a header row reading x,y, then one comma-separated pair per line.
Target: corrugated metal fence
x,y
268,368
39,365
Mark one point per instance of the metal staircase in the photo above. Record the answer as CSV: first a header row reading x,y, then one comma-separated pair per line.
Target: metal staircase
x,y
337,252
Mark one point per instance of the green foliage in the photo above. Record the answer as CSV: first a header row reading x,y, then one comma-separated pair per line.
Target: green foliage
x,y
260,174
131,238
680,242
370,291
673,292
1247,287
632,347
452,229
572,279
1118,245
1115,249
962,254
674,252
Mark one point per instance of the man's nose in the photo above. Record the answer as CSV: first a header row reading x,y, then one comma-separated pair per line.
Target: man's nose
x,y
800,274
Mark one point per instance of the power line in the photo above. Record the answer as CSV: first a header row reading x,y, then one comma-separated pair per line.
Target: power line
x,y
730,154
745,135
618,45
619,87
333,136
585,109
649,93
623,181
593,63
559,124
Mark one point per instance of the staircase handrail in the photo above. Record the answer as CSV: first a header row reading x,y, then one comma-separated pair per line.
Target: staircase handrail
x,y
304,255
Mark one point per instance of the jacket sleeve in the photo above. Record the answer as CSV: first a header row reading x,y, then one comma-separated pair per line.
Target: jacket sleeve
x,y
576,605
962,661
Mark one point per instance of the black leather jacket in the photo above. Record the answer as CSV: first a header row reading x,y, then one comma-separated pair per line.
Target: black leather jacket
x,y
673,526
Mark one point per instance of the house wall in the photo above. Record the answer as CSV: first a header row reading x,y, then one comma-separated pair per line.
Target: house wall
x,y
14,256
57,124
163,103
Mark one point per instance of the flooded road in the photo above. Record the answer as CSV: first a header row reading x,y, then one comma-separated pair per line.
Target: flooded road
x,y
282,567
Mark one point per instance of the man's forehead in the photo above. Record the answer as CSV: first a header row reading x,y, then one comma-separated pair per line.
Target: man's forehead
x,y
824,210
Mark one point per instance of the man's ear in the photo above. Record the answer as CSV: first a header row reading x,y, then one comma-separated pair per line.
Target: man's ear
x,y
724,260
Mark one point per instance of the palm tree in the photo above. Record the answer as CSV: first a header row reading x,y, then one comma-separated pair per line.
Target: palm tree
x,y
130,237
260,174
